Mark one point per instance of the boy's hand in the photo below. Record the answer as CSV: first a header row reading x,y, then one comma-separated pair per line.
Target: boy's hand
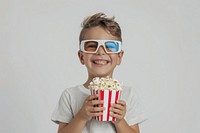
x,y
118,110
90,109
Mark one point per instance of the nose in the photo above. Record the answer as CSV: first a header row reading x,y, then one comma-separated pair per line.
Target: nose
x,y
101,51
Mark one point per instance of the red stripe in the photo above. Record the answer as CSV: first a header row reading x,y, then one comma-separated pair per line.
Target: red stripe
x,y
116,98
93,93
101,105
96,92
109,103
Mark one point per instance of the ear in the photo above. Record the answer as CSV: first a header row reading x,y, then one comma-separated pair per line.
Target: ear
x,y
80,55
120,55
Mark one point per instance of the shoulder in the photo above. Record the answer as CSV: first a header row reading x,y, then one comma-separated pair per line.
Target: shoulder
x,y
128,90
135,111
75,91
129,93
71,91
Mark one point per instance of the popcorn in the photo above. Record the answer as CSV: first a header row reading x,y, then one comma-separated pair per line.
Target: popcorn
x,y
109,90
105,83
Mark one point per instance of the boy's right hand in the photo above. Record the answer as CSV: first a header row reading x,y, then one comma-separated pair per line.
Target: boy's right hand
x,y
90,108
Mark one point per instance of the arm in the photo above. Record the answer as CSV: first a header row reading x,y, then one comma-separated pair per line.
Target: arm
x,y
123,127
75,126
85,113
119,110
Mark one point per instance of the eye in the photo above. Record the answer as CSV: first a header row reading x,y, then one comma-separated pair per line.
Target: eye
x,y
91,45
112,46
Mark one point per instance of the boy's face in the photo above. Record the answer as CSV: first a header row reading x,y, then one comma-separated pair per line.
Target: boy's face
x,y
99,64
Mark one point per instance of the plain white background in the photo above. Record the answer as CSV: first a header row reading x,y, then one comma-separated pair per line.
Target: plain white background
x,y
38,60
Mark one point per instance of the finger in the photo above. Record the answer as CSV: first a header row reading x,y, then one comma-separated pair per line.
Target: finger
x,y
117,116
95,102
116,111
118,106
121,102
92,97
96,114
97,109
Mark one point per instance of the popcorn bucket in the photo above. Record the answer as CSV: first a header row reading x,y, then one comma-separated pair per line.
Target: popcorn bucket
x,y
109,97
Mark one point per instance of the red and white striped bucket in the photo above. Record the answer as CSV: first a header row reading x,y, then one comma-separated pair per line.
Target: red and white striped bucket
x,y
109,97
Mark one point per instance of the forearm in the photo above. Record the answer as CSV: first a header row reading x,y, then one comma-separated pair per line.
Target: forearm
x,y
123,127
85,114
75,126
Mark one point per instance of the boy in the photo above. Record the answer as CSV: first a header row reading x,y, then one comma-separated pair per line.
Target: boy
x,y
100,51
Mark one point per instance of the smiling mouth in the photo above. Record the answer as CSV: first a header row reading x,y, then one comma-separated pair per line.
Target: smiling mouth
x,y
101,62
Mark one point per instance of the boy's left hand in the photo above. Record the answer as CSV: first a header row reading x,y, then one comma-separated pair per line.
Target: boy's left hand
x,y
118,110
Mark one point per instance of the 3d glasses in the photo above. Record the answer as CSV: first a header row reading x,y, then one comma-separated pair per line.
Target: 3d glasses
x,y
92,46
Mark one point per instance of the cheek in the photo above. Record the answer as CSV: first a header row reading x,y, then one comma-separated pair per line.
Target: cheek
x,y
86,58
115,59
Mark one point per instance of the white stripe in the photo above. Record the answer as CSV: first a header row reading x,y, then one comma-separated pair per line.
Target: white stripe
x,y
98,92
112,101
105,112
119,97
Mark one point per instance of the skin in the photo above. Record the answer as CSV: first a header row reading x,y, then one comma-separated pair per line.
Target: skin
x,y
99,64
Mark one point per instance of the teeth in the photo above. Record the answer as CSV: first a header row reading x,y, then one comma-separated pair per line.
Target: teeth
x,y
100,62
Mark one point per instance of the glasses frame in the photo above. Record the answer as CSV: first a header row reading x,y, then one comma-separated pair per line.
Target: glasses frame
x,y
100,43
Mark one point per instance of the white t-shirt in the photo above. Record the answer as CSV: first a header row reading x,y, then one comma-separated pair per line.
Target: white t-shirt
x,y
72,100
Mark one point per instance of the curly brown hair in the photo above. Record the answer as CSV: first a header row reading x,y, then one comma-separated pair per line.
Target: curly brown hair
x,y
100,19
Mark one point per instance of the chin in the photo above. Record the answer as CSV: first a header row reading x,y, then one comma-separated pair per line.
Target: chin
x,y
102,74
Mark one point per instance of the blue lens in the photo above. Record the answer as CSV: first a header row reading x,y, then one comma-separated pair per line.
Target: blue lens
x,y
112,46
